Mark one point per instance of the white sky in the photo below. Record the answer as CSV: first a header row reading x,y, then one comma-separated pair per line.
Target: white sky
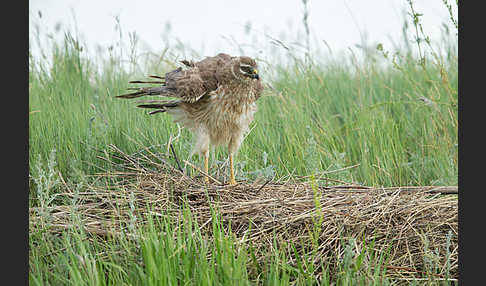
x,y
206,25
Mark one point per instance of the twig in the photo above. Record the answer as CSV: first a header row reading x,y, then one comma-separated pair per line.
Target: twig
x,y
175,156
259,189
412,270
201,171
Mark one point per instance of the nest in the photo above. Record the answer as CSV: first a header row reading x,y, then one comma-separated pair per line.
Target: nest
x,y
416,226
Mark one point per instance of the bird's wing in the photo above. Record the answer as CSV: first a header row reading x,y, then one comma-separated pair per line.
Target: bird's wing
x,y
209,67
187,85
190,84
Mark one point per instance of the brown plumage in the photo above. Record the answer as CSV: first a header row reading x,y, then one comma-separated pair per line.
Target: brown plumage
x,y
215,100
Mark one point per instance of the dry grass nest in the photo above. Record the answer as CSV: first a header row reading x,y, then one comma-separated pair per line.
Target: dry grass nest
x,y
416,226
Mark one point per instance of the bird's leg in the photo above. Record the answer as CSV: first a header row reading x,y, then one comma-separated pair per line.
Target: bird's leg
x,y
232,149
202,148
206,167
232,180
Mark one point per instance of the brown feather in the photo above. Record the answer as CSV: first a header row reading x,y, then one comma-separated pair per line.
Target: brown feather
x,y
151,82
131,95
188,63
157,111
154,105
156,76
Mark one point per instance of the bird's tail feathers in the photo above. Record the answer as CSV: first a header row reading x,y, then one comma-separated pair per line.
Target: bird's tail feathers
x,y
160,90
160,107
151,82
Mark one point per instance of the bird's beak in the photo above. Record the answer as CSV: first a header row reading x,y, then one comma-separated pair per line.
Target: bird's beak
x,y
255,74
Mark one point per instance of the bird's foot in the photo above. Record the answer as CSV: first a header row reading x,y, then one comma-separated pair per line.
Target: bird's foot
x,y
232,181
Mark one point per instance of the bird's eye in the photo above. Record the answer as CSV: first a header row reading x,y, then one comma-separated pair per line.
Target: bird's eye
x,y
247,69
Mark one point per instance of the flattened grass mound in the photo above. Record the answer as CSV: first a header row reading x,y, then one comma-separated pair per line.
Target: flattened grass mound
x,y
414,227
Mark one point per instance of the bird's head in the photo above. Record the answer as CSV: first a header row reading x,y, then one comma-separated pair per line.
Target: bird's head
x,y
248,67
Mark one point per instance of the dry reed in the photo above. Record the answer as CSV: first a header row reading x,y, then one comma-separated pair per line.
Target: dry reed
x,y
411,223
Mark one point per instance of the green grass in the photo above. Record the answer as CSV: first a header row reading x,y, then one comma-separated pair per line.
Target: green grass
x,y
385,121
170,252
399,126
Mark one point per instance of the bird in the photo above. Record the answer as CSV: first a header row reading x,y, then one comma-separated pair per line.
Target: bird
x,y
214,98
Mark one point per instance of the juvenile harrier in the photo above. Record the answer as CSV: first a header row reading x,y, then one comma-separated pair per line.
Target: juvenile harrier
x,y
216,101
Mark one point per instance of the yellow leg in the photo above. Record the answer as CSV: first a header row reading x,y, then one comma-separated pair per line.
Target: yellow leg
x,y
206,168
232,180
